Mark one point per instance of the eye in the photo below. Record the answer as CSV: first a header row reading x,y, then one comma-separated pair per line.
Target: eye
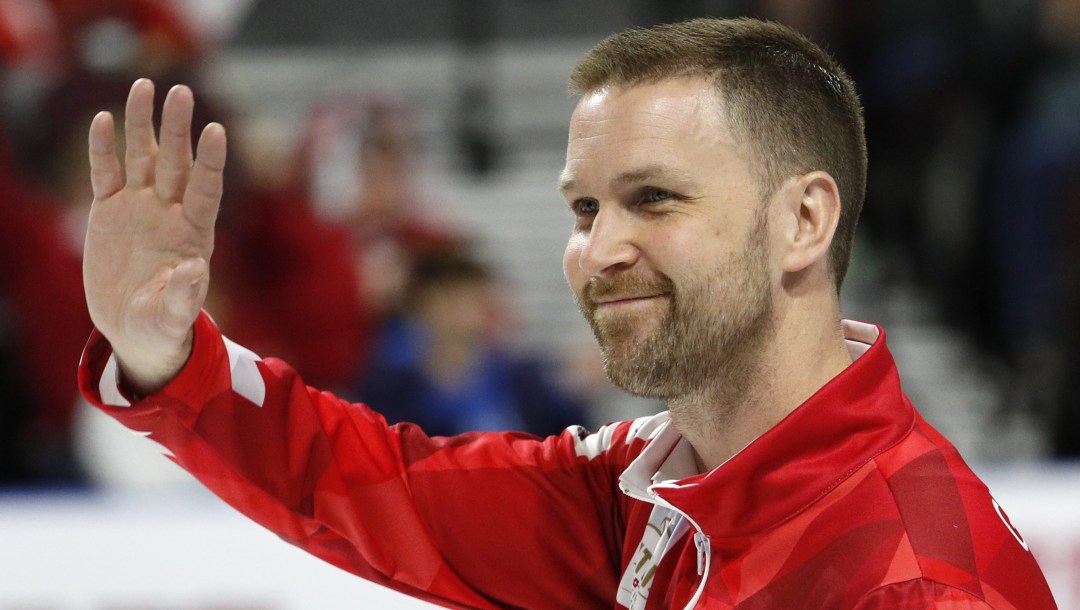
x,y
585,207
655,195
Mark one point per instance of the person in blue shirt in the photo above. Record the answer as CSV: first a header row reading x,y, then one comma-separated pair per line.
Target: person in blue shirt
x,y
442,364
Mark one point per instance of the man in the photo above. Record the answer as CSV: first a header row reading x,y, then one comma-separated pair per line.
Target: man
x,y
715,170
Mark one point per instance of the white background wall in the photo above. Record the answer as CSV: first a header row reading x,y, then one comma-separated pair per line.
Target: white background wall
x,y
182,549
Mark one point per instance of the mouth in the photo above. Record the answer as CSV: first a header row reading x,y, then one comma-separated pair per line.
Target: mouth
x,y
620,301
626,294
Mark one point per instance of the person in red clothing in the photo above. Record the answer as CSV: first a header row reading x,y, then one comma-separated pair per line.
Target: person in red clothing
x,y
60,60
333,242
715,169
46,320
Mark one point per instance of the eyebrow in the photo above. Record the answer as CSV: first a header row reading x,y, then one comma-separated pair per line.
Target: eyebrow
x,y
649,173
566,183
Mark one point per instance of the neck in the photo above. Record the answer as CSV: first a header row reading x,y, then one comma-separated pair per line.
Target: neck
x,y
799,356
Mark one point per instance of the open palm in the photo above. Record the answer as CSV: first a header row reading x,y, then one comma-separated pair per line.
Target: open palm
x,y
148,246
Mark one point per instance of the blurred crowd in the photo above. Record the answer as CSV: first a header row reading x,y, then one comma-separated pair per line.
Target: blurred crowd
x,y
331,266
973,117
973,121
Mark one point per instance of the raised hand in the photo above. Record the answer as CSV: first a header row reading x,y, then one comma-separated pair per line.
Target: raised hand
x,y
146,260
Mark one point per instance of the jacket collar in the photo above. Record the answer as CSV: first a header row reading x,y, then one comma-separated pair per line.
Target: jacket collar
x,y
853,418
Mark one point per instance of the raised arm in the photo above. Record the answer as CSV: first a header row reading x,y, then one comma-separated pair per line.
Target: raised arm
x,y
428,516
146,260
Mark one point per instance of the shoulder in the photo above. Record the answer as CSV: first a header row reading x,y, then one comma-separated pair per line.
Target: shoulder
x,y
956,538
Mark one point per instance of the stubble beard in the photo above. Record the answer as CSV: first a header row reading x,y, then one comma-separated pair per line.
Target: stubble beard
x,y
707,347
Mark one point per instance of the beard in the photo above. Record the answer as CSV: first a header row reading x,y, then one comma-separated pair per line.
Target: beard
x,y
708,343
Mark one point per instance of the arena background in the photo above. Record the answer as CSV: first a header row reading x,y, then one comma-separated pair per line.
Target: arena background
x,y
984,344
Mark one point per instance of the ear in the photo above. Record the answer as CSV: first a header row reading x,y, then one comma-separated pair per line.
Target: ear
x,y
811,209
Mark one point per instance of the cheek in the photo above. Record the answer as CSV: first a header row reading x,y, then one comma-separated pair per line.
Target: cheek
x,y
688,246
696,256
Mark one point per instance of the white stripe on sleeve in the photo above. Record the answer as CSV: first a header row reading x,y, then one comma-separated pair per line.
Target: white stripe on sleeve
x,y
247,381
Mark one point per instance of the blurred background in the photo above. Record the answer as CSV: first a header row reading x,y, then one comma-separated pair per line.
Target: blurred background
x,y
391,228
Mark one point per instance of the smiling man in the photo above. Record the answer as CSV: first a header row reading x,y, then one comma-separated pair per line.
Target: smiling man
x,y
715,170
671,262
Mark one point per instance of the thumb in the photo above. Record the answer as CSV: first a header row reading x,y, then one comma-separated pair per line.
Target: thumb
x,y
184,295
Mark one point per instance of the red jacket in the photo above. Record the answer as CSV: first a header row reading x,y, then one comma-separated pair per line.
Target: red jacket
x,y
852,501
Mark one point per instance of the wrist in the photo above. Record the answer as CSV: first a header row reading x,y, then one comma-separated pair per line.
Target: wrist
x,y
143,373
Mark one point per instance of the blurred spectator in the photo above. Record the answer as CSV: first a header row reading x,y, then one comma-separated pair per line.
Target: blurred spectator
x,y
289,288
1034,211
319,263
47,323
62,61
146,37
359,156
444,363
974,136
49,42
1065,422
16,406
46,319
941,83
29,35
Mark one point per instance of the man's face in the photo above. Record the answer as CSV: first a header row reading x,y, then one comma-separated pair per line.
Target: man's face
x,y
669,257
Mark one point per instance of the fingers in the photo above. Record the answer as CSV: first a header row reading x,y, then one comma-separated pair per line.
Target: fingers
x,y
105,176
169,167
139,129
174,155
203,193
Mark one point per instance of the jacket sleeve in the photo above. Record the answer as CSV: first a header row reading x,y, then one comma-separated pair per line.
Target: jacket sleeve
x,y
484,520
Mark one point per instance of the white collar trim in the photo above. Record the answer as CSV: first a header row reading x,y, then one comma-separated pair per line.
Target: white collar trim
x,y
668,457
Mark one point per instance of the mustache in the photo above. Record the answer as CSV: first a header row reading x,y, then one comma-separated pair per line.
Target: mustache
x,y
624,285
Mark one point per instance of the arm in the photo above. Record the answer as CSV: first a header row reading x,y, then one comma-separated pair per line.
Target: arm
x,y
490,520
483,520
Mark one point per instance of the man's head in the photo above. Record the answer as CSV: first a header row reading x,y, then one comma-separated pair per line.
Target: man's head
x,y
784,96
700,169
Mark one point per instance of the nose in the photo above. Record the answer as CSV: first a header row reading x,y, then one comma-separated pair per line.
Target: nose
x,y
610,244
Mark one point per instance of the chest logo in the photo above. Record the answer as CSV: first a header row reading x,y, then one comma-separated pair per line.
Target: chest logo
x,y
663,529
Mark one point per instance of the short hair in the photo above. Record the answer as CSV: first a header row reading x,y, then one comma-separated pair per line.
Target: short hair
x,y
794,104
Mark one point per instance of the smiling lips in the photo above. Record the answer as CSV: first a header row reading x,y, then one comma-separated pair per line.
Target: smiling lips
x,y
625,290
610,301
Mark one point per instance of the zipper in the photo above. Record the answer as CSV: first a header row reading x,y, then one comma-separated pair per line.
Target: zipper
x,y
701,542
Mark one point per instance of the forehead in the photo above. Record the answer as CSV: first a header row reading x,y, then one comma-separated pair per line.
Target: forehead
x,y
677,122
671,100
